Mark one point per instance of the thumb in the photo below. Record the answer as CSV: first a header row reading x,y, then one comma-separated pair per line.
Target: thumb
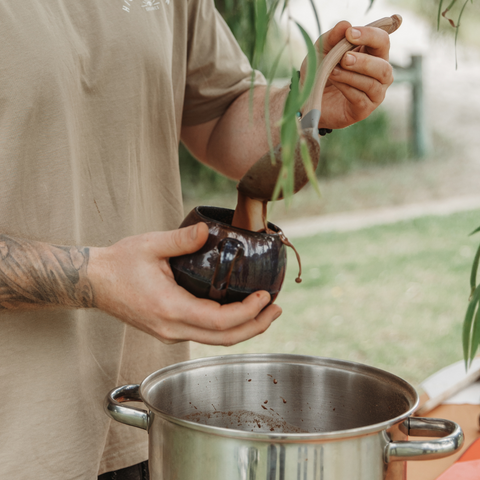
x,y
184,240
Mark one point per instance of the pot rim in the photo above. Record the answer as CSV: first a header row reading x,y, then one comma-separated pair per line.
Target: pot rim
x,y
153,378
277,230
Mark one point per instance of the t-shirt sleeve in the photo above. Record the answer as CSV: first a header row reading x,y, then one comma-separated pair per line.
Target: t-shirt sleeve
x,y
217,69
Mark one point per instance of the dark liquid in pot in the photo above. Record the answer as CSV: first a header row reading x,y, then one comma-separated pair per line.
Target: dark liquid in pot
x,y
246,421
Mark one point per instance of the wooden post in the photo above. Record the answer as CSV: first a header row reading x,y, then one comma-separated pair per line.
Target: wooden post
x,y
418,123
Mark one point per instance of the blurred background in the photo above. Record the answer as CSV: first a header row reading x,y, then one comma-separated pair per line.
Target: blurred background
x,y
385,250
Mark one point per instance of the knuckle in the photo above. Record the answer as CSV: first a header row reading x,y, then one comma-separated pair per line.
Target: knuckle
x,y
363,102
252,309
380,36
144,242
377,89
162,311
166,334
385,74
263,328
218,323
228,341
343,23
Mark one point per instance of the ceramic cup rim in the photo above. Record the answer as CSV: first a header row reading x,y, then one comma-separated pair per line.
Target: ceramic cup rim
x,y
277,230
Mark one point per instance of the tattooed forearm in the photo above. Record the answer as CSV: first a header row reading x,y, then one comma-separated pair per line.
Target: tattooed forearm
x,y
34,274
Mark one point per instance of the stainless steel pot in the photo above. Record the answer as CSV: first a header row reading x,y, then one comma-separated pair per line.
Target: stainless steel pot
x,y
280,417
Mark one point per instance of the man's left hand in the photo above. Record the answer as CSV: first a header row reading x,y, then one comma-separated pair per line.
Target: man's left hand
x,y
359,82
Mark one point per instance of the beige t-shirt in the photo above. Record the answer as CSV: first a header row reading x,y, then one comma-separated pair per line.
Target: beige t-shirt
x,y
93,94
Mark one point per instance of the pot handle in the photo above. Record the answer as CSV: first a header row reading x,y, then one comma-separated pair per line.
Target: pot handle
x,y
451,441
135,417
229,250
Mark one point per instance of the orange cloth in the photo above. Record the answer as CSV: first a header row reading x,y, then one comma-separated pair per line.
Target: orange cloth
x,y
467,466
472,454
467,417
462,471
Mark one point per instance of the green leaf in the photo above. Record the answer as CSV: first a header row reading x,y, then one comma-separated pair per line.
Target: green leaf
x,y
289,137
285,6
273,8
444,13
467,326
458,29
307,162
317,19
289,126
473,275
475,336
439,14
271,77
309,80
279,185
474,232
261,29
292,103
289,184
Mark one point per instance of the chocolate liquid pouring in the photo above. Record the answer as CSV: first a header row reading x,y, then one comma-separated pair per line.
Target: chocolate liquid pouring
x,y
251,214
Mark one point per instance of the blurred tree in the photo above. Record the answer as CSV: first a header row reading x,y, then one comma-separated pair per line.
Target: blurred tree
x,y
240,17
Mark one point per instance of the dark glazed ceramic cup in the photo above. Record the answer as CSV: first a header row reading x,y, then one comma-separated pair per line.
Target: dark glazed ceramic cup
x,y
234,262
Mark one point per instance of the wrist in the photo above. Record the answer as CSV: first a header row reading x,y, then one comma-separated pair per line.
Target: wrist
x,y
97,274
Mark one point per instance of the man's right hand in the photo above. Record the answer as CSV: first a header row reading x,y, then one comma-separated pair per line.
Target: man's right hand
x,y
132,281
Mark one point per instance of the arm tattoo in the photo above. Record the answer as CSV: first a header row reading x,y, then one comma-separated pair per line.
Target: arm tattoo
x,y
36,274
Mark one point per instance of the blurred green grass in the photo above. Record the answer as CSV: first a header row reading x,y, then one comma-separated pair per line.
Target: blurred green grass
x,y
390,296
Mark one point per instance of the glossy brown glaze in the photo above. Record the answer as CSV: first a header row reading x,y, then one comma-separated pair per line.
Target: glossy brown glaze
x,y
260,180
251,215
234,262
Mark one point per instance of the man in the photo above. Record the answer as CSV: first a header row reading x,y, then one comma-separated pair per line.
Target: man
x,y
94,99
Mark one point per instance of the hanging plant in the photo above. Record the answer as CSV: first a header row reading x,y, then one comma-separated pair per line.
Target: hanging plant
x,y
471,324
289,126
251,21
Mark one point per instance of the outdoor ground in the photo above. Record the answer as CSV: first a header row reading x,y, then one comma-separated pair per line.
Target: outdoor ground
x,y
392,296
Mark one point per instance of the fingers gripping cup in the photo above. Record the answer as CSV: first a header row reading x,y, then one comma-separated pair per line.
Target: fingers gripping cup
x,y
234,262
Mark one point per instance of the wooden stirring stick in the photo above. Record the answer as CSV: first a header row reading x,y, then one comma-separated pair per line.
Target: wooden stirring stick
x,y
258,184
389,24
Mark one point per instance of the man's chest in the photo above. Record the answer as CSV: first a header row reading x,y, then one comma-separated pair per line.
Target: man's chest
x,y
89,45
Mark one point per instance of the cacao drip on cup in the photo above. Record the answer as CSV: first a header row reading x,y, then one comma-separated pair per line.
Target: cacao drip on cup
x,y
251,214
